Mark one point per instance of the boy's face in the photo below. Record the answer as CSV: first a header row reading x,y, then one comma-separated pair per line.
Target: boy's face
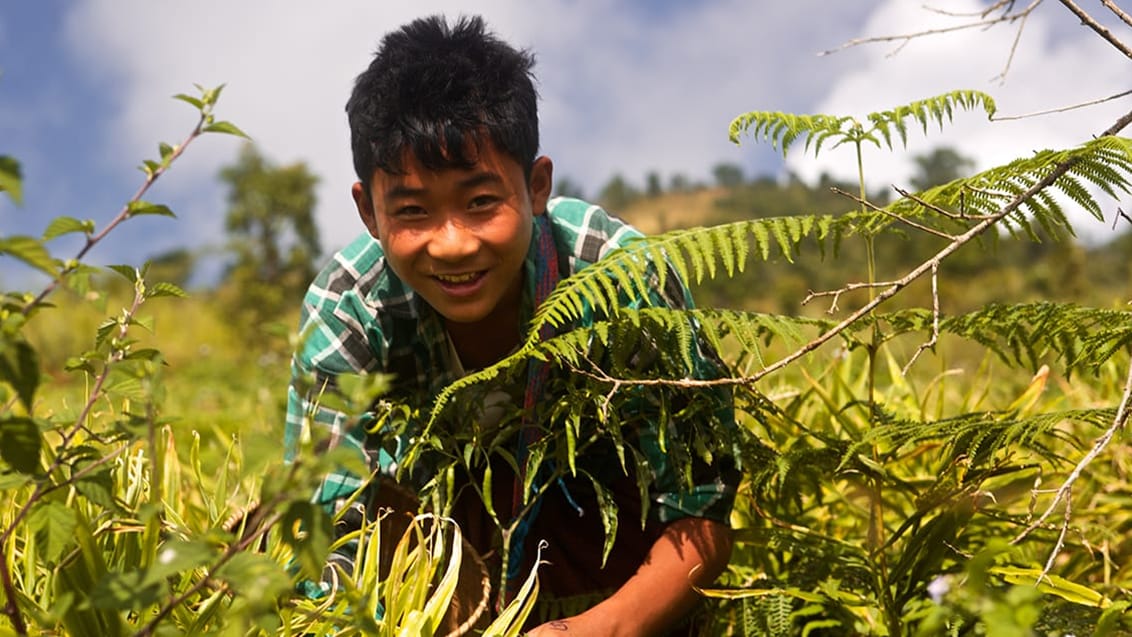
x,y
459,237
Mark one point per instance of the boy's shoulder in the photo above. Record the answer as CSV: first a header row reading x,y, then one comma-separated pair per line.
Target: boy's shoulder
x,y
358,271
585,231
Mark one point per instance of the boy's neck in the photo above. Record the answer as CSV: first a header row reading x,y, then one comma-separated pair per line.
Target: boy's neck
x,y
490,339
484,343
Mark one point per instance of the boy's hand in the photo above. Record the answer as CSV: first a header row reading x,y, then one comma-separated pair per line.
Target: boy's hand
x,y
691,551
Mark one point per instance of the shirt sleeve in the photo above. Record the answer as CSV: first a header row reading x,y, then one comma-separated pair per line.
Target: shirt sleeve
x,y
333,342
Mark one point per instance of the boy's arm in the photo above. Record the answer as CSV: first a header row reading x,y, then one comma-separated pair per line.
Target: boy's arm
x,y
691,551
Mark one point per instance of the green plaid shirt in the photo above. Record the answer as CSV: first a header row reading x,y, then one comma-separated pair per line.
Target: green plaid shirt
x,y
358,316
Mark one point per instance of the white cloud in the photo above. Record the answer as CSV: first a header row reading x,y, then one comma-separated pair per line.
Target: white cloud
x,y
1052,68
622,90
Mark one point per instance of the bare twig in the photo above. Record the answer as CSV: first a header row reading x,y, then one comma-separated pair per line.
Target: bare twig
x,y
1063,492
1062,109
935,323
962,216
983,22
1120,13
1097,27
836,294
1065,522
871,206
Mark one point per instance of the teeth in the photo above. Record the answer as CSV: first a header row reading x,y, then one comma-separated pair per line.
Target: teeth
x,y
457,278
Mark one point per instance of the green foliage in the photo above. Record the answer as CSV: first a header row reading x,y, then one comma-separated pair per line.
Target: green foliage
x,y
118,519
783,129
270,221
863,487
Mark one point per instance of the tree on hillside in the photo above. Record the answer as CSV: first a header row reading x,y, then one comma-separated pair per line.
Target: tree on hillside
x,y
567,187
940,166
271,215
618,193
270,222
727,175
653,188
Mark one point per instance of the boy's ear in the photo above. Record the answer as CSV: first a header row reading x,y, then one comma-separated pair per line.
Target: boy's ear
x,y
540,183
365,208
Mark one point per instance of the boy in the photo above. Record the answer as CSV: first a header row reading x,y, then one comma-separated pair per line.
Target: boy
x,y
463,244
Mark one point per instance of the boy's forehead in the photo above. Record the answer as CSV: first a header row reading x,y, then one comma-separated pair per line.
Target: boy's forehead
x,y
479,155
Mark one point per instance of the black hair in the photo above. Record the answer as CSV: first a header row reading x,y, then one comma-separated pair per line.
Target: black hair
x,y
435,91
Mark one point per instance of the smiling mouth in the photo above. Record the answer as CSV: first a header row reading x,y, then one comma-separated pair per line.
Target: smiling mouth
x,y
458,279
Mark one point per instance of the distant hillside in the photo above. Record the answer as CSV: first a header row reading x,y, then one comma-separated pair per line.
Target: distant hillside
x,y
669,211
1005,270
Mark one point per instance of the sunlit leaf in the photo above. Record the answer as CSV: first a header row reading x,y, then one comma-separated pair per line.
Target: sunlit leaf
x,y
141,207
178,556
31,251
20,443
19,367
54,524
67,225
227,128
165,289
11,179
189,99
255,576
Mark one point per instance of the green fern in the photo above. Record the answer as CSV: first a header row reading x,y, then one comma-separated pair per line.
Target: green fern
x,y
1104,164
783,129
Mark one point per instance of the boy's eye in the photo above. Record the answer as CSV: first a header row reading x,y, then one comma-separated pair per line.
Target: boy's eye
x,y
482,201
409,211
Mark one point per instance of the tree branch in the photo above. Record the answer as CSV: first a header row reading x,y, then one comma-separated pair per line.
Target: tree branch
x,y
1120,13
1097,27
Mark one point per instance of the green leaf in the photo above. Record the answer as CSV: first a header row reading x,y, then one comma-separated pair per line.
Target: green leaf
x,y
20,443
31,251
306,529
149,167
98,487
67,225
178,556
19,367
227,128
165,289
125,591
54,526
11,179
255,576
607,508
142,207
189,99
128,272
12,480
1052,585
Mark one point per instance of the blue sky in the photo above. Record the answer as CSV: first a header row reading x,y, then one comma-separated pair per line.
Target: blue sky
x,y
627,87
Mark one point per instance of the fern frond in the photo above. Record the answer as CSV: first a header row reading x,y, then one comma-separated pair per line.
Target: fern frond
x,y
939,109
1103,164
1082,338
783,129
977,438
694,254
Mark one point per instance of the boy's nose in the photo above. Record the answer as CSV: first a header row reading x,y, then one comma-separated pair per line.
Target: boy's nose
x,y
451,242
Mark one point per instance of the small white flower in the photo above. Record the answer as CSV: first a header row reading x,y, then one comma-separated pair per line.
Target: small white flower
x,y
938,588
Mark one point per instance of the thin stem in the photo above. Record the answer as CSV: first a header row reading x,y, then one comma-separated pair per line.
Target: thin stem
x,y
11,608
122,215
